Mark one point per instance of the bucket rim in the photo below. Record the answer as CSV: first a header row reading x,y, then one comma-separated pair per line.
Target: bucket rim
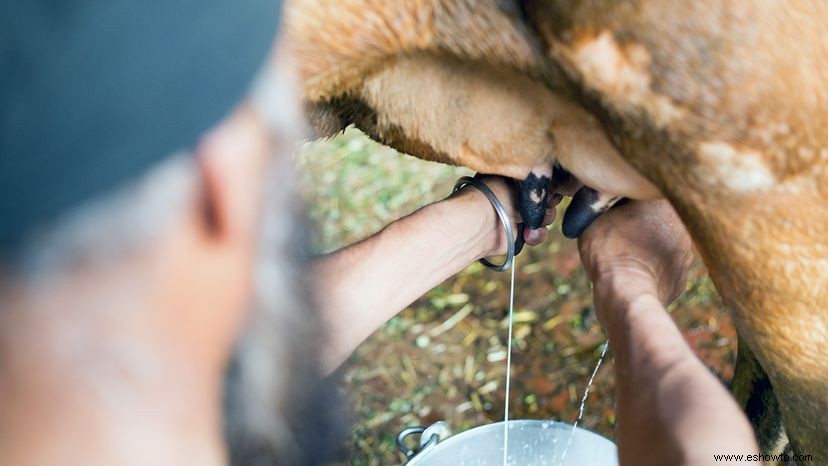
x,y
447,443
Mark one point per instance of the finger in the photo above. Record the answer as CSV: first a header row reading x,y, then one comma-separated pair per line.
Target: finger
x,y
555,199
551,213
535,237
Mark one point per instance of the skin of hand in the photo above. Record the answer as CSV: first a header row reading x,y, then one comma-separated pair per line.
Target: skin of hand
x,y
641,244
360,287
671,409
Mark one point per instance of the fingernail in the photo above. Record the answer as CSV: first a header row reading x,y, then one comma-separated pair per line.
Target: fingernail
x,y
532,235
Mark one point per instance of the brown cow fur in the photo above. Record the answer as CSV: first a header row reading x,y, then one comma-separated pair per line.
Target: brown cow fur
x,y
719,106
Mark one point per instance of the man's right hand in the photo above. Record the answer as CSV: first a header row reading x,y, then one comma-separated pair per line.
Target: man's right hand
x,y
670,408
640,248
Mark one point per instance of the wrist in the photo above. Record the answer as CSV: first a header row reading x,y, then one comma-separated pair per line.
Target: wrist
x,y
482,222
618,295
470,219
640,327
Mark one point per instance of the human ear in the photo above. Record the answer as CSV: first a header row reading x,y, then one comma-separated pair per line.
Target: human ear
x,y
230,160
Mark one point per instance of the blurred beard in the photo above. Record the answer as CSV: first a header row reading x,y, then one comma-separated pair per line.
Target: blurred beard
x,y
277,407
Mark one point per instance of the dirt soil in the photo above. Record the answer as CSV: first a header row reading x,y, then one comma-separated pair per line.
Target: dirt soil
x,y
444,357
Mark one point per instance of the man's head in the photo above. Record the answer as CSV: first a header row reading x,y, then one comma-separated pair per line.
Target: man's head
x,y
126,294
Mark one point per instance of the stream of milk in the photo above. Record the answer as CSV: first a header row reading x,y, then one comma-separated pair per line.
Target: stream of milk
x,y
509,379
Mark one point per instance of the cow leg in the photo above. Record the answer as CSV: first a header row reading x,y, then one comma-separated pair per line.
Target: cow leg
x,y
752,389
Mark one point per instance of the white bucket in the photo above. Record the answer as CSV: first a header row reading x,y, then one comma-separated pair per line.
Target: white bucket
x,y
531,443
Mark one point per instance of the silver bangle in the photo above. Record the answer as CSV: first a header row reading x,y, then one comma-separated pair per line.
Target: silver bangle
x,y
501,213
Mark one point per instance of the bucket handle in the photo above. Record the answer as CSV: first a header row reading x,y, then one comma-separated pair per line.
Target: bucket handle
x,y
429,436
416,430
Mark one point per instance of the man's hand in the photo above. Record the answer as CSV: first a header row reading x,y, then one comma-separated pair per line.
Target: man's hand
x,y
671,410
640,248
362,286
504,189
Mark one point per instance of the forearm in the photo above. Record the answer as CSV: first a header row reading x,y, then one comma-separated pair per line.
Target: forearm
x,y
671,409
362,286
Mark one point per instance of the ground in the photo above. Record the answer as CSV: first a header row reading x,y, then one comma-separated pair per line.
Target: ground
x,y
444,357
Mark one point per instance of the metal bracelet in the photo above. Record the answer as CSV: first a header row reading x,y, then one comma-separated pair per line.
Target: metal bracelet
x,y
504,220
